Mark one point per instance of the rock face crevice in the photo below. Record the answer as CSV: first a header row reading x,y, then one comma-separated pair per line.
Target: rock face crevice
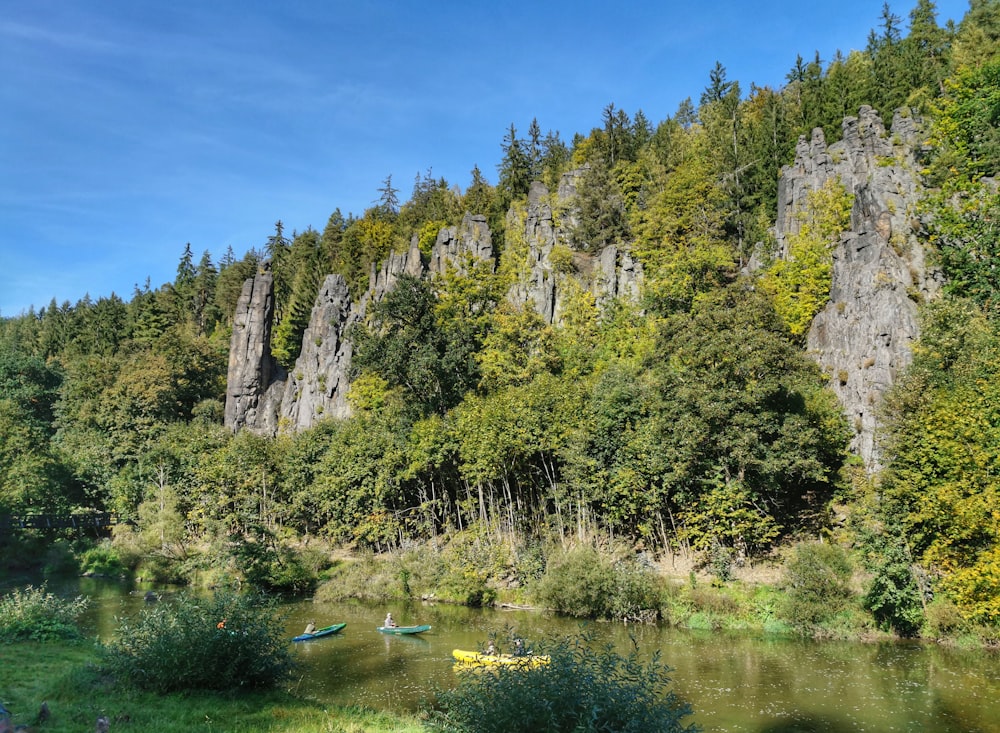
x,y
862,338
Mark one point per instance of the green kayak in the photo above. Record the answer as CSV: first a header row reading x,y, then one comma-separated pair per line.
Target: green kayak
x,y
403,629
325,631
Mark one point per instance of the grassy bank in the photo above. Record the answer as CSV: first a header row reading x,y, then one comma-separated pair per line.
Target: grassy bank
x,y
64,676
816,590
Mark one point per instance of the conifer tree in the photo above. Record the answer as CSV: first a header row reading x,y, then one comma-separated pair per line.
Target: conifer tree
x,y
305,259
514,168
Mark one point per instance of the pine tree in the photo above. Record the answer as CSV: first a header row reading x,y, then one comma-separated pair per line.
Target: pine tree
x,y
206,312
514,168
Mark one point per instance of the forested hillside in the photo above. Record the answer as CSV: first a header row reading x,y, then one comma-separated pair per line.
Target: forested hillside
x,y
687,419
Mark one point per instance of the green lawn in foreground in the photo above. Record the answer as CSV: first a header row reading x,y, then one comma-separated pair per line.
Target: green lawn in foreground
x,y
64,675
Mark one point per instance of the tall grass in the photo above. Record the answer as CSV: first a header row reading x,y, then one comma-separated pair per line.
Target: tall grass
x,y
35,614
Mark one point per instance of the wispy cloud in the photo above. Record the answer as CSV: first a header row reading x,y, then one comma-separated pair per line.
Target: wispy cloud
x,y
47,36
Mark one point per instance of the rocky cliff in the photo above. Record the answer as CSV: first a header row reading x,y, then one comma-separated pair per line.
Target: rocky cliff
x,y
263,398
862,338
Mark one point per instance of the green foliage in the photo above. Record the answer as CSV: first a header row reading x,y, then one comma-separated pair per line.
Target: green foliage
x,y
178,645
32,477
369,577
586,583
892,597
745,417
963,214
66,675
305,263
518,348
29,382
817,584
35,614
679,235
423,342
427,235
582,690
941,437
800,282
102,560
357,483
600,208
269,564
967,124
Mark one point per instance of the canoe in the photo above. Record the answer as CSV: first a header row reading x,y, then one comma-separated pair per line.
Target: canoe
x,y
325,631
403,629
476,659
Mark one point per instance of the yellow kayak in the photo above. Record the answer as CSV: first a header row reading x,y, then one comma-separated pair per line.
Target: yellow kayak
x,y
476,659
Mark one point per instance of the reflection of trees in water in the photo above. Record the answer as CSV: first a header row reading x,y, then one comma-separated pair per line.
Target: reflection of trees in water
x,y
811,724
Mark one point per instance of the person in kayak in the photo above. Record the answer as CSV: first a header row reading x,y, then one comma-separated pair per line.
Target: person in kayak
x,y
310,628
389,623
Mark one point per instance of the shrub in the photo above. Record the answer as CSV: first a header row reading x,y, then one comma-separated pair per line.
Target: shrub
x,y
103,560
893,597
58,559
368,578
817,584
585,583
37,615
267,563
581,690
576,582
941,619
222,642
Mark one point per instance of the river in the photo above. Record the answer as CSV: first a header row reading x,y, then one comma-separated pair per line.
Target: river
x,y
733,681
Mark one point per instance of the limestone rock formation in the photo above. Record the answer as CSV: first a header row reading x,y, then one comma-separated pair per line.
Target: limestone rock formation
x,y
862,338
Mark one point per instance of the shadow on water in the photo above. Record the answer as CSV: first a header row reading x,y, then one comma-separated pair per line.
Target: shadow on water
x,y
808,725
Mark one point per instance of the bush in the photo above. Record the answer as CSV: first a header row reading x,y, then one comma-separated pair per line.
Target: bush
x,y
267,563
57,558
585,583
577,582
817,584
893,597
102,560
34,614
942,619
179,645
581,690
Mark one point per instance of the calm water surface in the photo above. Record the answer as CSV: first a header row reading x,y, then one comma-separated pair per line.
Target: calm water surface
x,y
734,682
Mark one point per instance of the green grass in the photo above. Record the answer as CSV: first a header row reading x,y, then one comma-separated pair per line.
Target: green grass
x,y
64,675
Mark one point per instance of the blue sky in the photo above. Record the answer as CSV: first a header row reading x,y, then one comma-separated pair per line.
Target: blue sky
x,y
130,128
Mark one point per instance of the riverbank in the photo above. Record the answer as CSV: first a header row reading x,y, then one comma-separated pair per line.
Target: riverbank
x,y
64,676
813,590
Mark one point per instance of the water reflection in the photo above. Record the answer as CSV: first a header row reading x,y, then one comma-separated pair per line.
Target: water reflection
x,y
734,682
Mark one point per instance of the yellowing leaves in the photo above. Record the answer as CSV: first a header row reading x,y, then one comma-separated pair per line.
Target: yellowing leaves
x,y
800,283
